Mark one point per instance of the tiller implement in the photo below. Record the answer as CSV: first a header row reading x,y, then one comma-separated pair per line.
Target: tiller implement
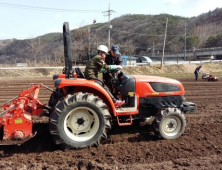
x,y
16,119
209,77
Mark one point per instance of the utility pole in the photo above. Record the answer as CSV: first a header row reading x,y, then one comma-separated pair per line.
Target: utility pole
x,y
185,39
55,59
88,32
164,42
108,13
153,53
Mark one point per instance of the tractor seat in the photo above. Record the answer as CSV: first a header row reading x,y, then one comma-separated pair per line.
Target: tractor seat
x,y
79,73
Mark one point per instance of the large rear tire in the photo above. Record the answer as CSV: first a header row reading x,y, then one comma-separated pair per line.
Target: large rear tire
x,y
169,123
54,98
79,120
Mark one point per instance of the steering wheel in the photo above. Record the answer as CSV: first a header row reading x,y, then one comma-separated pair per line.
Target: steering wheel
x,y
114,73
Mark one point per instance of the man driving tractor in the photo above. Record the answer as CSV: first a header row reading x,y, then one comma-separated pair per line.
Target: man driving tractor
x,y
112,58
96,65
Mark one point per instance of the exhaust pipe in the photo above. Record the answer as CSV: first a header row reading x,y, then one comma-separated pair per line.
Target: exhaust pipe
x,y
68,71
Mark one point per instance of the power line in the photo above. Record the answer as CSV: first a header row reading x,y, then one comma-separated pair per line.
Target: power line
x,y
45,9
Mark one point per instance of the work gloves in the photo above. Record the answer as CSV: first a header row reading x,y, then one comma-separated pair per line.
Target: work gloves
x,y
111,67
114,67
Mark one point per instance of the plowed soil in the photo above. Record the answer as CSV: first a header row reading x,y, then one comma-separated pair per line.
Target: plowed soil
x,y
133,147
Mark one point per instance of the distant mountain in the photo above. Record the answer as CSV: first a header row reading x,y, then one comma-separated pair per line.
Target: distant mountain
x,y
5,42
135,34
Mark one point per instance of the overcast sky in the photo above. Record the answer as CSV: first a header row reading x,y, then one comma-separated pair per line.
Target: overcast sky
x,y
30,18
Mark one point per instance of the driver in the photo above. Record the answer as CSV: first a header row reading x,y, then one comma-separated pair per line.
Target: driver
x,y
96,65
112,58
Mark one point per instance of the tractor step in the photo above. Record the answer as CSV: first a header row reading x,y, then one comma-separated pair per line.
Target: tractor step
x,y
125,121
126,109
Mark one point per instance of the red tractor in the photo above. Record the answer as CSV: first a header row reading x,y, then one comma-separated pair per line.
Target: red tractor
x,y
81,112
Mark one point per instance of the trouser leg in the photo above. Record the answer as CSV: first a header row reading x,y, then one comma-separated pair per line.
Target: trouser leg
x,y
196,76
106,88
110,94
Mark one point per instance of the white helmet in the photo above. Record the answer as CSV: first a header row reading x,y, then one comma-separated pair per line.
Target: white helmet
x,y
103,48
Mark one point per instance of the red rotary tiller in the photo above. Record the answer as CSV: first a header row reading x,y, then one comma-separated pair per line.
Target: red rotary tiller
x,y
15,120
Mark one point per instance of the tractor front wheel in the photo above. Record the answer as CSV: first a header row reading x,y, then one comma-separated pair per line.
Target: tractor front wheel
x,y
79,120
169,123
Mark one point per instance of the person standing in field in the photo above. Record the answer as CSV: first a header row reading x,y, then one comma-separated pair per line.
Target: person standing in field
x,y
196,72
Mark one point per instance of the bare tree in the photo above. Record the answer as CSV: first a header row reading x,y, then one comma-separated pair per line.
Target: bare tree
x,y
59,54
80,43
176,46
205,31
78,50
33,47
129,48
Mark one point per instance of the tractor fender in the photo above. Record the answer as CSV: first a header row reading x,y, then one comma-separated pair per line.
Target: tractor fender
x,y
89,86
59,76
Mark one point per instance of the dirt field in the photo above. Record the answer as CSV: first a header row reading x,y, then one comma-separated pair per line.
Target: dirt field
x,y
133,147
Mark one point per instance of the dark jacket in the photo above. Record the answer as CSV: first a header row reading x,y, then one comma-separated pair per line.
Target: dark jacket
x,y
94,66
110,60
197,69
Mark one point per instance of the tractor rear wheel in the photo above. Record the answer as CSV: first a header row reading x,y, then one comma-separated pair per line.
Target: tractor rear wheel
x,y
79,120
169,123
55,96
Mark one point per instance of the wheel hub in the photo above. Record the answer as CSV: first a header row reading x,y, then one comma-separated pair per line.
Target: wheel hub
x,y
80,121
170,125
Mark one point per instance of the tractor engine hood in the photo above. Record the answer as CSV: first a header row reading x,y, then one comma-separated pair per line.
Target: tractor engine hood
x,y
150,86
